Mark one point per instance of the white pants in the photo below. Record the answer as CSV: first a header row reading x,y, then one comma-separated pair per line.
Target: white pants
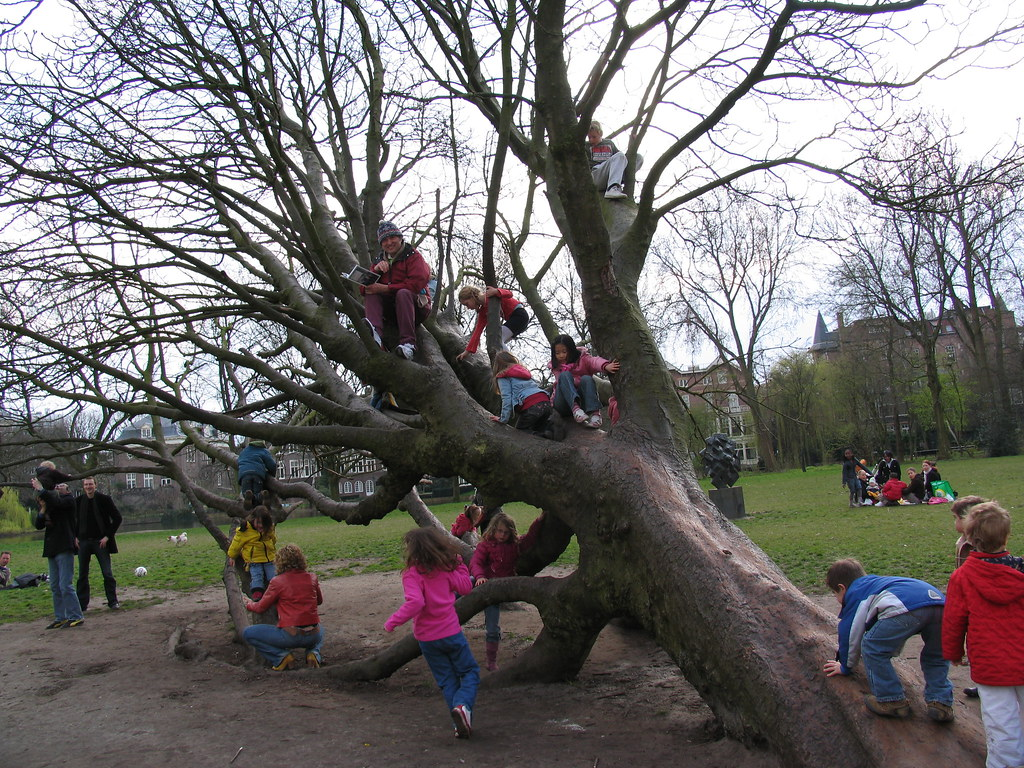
x,y
609,172
1001,709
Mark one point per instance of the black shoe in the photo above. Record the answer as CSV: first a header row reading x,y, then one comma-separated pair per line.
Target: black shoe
x,y
971,693
115,606
74,622
58,624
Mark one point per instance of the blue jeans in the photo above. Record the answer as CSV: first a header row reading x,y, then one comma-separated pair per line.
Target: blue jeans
x,y
885,640
65,601
567,393
492,615
273,643
260,575
251,482
86,549
455,670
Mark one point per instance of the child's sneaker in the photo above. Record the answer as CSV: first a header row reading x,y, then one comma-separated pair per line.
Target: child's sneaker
x,y
288,662
74,622
579,414
940,712
463,720
257,595
594,421
405,350
899,708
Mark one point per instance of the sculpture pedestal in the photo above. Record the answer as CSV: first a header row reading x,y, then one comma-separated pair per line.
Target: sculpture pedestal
x,y
729,502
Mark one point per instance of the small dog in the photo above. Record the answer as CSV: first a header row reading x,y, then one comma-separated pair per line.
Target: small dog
x,y
181,538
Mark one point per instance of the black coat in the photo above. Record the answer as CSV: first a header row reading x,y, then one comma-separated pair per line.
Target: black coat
x,y
108,519
57,519
886,470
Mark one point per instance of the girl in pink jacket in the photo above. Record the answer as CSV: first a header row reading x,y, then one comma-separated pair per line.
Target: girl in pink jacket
x,y
574,369
434,574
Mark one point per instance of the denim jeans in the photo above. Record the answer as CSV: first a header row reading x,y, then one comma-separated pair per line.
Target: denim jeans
x,y
260,575
273,643
455,670
567,393
492,627
251,482
65,601
86,549
885,640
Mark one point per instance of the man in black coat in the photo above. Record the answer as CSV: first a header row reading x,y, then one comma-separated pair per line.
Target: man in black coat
x,y
98,521
56,518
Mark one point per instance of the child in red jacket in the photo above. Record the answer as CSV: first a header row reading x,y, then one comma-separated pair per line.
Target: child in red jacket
x,y
985,606
892,493
512,312
495,557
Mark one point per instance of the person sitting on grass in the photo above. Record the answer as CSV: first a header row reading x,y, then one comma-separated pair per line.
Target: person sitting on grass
x,y
892,493
878,614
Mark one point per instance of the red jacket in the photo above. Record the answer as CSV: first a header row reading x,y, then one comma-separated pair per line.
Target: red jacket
x,y
297,594
508,305
407,270
494,560
893,489
985,606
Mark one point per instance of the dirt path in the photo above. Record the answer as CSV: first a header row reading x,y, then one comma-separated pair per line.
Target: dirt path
x,y
108,693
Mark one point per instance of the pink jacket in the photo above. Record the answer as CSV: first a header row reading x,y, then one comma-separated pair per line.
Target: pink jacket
x,y
587,365
462,525
430,602
508,305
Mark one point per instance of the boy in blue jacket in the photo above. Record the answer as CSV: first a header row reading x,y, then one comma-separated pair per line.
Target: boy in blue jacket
x,y
878,614
255,464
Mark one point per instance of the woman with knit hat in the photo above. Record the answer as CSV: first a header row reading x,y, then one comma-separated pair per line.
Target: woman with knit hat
x,y
401,294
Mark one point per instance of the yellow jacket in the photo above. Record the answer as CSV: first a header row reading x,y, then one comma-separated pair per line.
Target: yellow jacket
x,y
253,547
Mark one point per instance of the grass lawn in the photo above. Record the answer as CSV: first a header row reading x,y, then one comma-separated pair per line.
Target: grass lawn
x,y
801,519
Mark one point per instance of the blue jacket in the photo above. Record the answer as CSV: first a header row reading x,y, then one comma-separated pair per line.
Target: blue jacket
x,y
515,385
873,598
256,461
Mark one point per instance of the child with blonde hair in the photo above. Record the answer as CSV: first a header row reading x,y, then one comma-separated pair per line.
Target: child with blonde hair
x,y
521,395
434,575
514,314
985,608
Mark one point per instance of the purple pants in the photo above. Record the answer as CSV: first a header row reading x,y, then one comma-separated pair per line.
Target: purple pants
x,y
402,306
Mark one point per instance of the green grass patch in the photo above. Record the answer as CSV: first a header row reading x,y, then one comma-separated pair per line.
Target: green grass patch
x,y
800,519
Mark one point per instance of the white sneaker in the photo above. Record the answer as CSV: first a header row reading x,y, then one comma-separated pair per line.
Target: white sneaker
x,y
595,421
579,415
614,192
463,720
867,503
406,350
879,504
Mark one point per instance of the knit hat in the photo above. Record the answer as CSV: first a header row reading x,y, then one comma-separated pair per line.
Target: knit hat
x,y
386,229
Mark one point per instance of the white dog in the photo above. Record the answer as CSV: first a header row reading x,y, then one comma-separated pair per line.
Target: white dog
x,y
181,538
141,571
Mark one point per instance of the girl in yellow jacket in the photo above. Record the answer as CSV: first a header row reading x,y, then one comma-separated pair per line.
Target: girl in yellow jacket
x,y
256,541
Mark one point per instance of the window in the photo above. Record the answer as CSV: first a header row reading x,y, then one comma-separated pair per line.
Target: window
x,y
129,481
951,353
358,486
706,381
734,402
369,486
165,481
686,400
723,378
293,468
147,480
146,431
346,488
190,454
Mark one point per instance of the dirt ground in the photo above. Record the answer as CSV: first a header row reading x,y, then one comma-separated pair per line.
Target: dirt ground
x,y
110,693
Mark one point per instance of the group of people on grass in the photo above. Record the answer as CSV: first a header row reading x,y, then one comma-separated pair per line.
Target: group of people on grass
x,y
981,615
884,487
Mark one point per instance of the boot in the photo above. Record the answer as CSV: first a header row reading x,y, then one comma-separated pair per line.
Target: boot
x,y
492,656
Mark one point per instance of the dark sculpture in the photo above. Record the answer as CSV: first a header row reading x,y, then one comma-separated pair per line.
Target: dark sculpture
x,y
720,461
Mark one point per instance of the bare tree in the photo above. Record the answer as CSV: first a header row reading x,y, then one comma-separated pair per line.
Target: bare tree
x,y
182,167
